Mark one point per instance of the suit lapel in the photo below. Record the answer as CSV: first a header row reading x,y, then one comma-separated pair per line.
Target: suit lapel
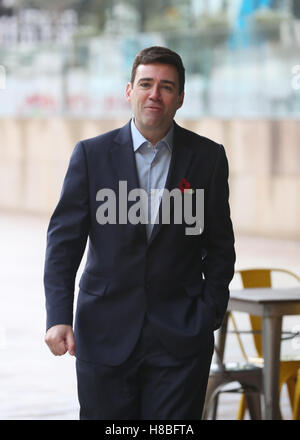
x,y
182,158
124,165
123,159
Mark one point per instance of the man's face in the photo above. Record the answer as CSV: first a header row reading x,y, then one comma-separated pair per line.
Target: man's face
x,y
154,97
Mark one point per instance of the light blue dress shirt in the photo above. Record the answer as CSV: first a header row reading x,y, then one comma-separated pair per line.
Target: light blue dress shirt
x,y
152,167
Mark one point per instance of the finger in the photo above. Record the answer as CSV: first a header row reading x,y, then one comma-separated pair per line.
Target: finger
x,y
70,343
58,348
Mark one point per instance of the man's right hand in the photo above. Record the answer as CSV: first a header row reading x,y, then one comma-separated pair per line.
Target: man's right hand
x,y
60,339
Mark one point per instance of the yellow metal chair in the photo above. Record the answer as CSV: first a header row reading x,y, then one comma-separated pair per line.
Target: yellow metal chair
x,y
255,278
296,408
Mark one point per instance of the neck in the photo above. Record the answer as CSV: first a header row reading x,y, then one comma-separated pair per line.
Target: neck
x,y
153,136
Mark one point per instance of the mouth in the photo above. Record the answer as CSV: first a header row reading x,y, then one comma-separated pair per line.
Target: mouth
x,y
153,108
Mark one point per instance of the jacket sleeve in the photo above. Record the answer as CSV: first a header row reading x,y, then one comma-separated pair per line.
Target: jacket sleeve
x,y
66,240
218,263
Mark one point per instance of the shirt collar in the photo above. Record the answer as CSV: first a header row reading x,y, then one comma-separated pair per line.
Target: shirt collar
x,y
138,139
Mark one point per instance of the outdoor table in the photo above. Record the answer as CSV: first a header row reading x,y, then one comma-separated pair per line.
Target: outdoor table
x,y
271,304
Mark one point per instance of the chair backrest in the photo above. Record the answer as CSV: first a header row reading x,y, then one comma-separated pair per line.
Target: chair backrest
x,y
255,278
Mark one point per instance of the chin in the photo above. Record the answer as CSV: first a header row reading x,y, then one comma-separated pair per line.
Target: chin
x,y
152,123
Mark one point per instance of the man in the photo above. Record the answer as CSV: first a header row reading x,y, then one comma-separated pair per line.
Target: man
x,y
152,291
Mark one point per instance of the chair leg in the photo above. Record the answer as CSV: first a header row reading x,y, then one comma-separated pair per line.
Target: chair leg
x,y
211,398
242,408
211,404
296,406
253,404
215,407
291,385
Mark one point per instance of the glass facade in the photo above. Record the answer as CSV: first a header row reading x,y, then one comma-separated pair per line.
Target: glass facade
x,y
242,57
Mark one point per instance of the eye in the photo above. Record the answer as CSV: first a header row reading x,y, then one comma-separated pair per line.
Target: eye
x,y
144,84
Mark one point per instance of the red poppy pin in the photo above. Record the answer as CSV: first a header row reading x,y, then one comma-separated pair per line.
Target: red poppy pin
x,y
185,186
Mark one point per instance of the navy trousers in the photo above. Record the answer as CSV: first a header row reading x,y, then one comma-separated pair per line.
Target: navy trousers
x,y
150,385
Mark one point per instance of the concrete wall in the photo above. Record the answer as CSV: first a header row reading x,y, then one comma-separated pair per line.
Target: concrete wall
x,y
264,160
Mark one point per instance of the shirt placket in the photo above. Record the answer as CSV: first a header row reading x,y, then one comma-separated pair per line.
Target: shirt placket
x,y
154,197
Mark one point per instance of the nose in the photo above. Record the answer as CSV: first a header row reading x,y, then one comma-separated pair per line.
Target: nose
x,y
155,93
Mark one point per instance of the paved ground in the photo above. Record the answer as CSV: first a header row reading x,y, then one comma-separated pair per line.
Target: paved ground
x,y
36,385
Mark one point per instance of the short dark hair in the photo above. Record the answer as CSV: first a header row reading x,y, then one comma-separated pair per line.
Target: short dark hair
x,y
163,55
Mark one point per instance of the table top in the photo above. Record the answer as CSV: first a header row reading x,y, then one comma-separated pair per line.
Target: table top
x,y
267,294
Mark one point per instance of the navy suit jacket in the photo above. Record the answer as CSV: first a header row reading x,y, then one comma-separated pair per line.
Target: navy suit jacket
x,y
179,281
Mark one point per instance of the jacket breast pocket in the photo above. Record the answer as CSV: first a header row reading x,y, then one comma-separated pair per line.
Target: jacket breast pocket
x,y
93,284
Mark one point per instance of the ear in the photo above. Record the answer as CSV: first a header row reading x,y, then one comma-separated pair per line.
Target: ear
x,y
180,99
128,91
